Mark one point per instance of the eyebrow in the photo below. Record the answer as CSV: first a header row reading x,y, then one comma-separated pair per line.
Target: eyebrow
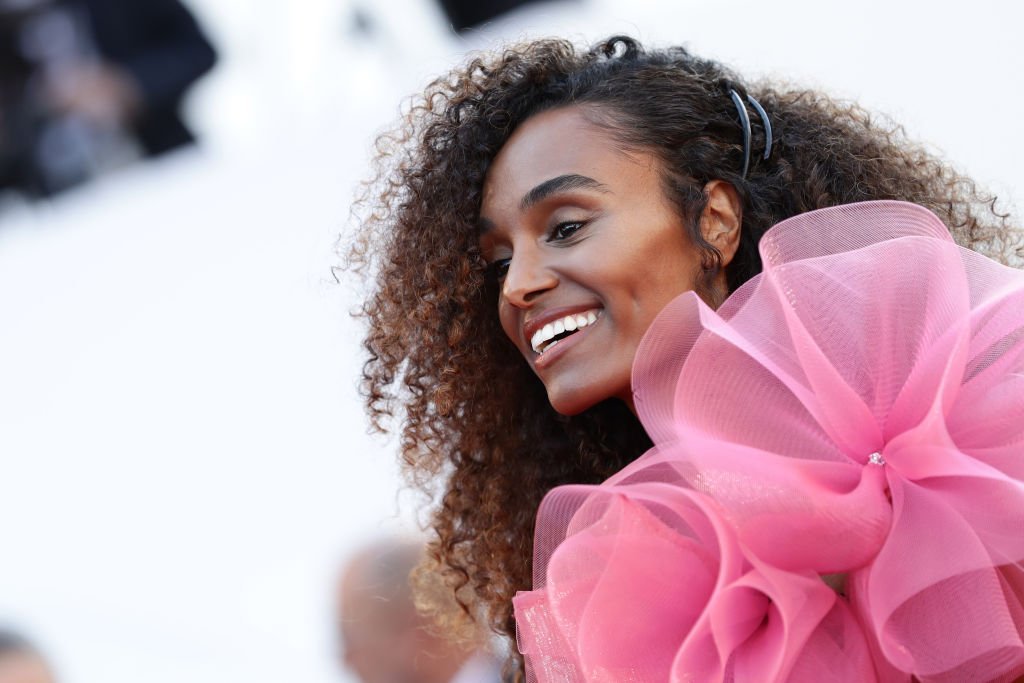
x,y
562,183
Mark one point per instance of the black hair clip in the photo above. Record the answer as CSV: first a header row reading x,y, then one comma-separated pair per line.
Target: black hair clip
x,y
741,109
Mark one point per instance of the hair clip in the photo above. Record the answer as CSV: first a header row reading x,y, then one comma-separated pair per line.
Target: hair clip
x,y
741,109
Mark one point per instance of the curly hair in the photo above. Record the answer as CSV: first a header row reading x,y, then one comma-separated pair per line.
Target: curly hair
x,y
476,429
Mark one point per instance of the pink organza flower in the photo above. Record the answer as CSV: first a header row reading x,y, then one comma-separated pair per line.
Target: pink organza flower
x,y
650,585
859,409
856,412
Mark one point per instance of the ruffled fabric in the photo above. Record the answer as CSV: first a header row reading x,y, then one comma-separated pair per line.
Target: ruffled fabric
x,y
836,490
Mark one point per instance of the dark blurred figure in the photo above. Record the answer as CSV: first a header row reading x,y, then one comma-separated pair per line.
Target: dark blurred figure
x,y
88,84
384,638
20,662
467,14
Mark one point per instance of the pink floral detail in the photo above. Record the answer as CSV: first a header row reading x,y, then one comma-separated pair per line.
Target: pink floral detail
x,y
654,586
855,411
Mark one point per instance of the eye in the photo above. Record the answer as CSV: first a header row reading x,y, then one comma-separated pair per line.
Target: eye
x,y
565,230
496,270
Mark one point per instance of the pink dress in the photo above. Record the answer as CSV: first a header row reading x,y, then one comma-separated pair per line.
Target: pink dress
x,y
836,491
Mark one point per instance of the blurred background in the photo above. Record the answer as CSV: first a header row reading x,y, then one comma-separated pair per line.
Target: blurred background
x,y
184,460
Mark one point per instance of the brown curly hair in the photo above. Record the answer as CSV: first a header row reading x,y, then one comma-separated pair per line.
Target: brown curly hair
x,y
476,427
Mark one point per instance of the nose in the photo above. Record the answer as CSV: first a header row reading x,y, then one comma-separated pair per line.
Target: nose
x,y
528,277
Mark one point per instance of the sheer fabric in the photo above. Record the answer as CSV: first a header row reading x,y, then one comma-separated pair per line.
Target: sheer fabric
x,y
836,491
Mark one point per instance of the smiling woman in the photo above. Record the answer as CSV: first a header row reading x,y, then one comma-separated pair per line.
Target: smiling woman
x,y
607,246
559,237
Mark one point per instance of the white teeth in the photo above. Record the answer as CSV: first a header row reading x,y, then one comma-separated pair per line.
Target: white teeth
x,y
569,323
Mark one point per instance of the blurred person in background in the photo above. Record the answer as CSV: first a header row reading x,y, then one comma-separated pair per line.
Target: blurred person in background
x,y
465,15
87,85
20,662
384,639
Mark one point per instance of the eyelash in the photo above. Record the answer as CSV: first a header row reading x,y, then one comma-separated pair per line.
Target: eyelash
x,y
554,231
496,270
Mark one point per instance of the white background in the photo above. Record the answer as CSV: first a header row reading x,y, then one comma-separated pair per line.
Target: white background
x,y
184,456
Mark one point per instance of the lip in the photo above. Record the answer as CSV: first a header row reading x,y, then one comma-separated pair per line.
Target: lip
x,y
531,325
542,361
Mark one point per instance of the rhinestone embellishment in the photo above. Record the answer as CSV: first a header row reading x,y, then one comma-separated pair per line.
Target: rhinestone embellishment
x,y
876,459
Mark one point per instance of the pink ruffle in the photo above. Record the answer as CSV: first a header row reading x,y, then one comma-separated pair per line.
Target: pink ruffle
x,y
857,410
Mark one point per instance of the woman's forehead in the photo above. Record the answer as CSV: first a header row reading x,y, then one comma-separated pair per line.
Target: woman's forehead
x,y
557,143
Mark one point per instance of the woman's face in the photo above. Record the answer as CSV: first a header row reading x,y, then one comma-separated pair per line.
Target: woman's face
x,y
587,250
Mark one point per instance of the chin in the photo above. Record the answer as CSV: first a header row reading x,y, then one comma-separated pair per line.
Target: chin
x,y
573,400
569,407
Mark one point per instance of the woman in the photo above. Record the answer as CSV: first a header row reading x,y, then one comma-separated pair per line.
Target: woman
x,y
590,189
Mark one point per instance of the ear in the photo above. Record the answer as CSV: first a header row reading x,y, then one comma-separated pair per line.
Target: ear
x,y
722,218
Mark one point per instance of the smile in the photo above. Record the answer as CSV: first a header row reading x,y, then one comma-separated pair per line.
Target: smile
x,y
557,330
